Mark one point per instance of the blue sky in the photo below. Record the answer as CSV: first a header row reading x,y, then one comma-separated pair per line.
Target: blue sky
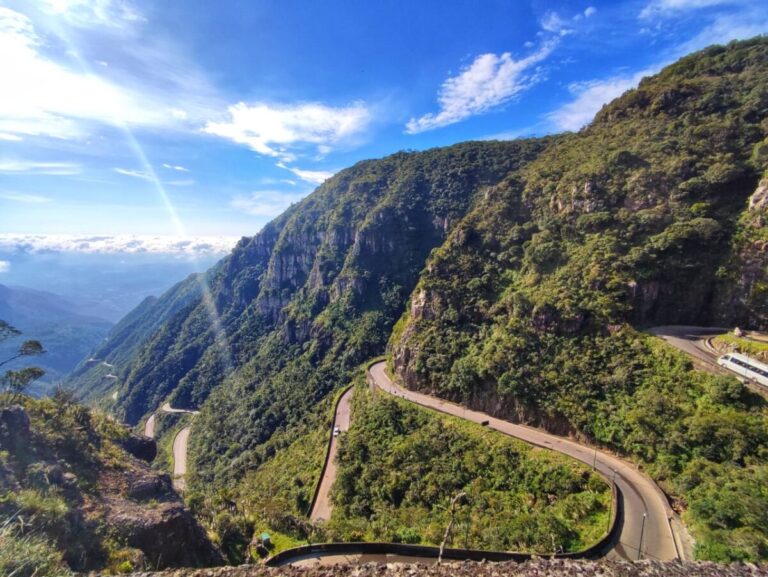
x,y
200,118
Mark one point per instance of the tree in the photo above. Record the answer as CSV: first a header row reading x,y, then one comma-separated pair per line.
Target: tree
x,y
17,381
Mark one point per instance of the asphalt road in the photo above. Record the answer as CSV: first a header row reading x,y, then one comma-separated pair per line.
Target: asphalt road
x,y
180,442
646,531
321,510
180,458
692,341
149,427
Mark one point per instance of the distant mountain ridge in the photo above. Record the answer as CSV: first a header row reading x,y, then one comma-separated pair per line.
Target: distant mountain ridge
x,y
66,329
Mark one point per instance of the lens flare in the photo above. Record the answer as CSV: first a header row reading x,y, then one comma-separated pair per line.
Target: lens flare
x,y
217,326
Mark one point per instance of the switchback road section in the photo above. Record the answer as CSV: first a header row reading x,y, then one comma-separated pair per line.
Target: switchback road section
x,y
647,520
180,442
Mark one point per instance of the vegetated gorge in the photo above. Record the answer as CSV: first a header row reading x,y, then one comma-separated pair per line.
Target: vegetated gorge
x,y
513,277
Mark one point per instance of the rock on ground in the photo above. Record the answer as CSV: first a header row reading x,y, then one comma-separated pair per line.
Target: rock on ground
x,y
534,568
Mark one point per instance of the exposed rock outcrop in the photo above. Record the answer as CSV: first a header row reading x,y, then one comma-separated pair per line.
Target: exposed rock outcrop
x,y
140,447
14,427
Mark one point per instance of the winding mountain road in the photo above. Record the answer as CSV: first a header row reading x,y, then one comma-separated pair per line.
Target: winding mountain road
x,y
696,343
646,531
149,427
693,342
180,442
322,506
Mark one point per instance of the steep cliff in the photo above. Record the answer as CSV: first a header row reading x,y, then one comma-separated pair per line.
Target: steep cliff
x,y
326,280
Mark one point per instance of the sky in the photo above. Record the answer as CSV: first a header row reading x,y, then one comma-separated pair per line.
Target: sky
x,y
137,120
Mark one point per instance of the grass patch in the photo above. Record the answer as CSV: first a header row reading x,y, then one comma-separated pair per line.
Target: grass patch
x,y
756,349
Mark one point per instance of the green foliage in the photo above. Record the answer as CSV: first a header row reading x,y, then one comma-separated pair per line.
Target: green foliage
x,y
16,382
47,475
358,244
28,555
758,349
639,219
400,466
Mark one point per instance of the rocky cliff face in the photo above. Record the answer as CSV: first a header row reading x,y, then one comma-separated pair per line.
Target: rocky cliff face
x,y
359,240
64,475
667,227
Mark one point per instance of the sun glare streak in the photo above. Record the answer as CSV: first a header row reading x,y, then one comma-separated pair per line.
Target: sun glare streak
x,y
217,326
219,332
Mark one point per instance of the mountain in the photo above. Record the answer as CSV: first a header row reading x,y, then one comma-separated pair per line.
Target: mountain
x,y
66,329
324,280
520,273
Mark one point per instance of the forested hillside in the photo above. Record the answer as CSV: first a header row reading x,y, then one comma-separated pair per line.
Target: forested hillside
x,y
524,270
654,214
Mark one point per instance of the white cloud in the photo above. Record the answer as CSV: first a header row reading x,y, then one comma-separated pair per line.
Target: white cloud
x,y
727,26
181,182
25,198
175,167
277,130
553,23
134,173
5,266
748,21
669,7
34,167
181,245
9,137
590,11
589,97
488,82
265,203
87,13
311,176
48,91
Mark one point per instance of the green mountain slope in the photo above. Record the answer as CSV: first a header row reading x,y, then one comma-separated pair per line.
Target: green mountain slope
x,y
523,268
347,255
652,215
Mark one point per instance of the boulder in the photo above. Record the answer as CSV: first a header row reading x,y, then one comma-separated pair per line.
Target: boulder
x,y
140,447
149,487
14,428
168,535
